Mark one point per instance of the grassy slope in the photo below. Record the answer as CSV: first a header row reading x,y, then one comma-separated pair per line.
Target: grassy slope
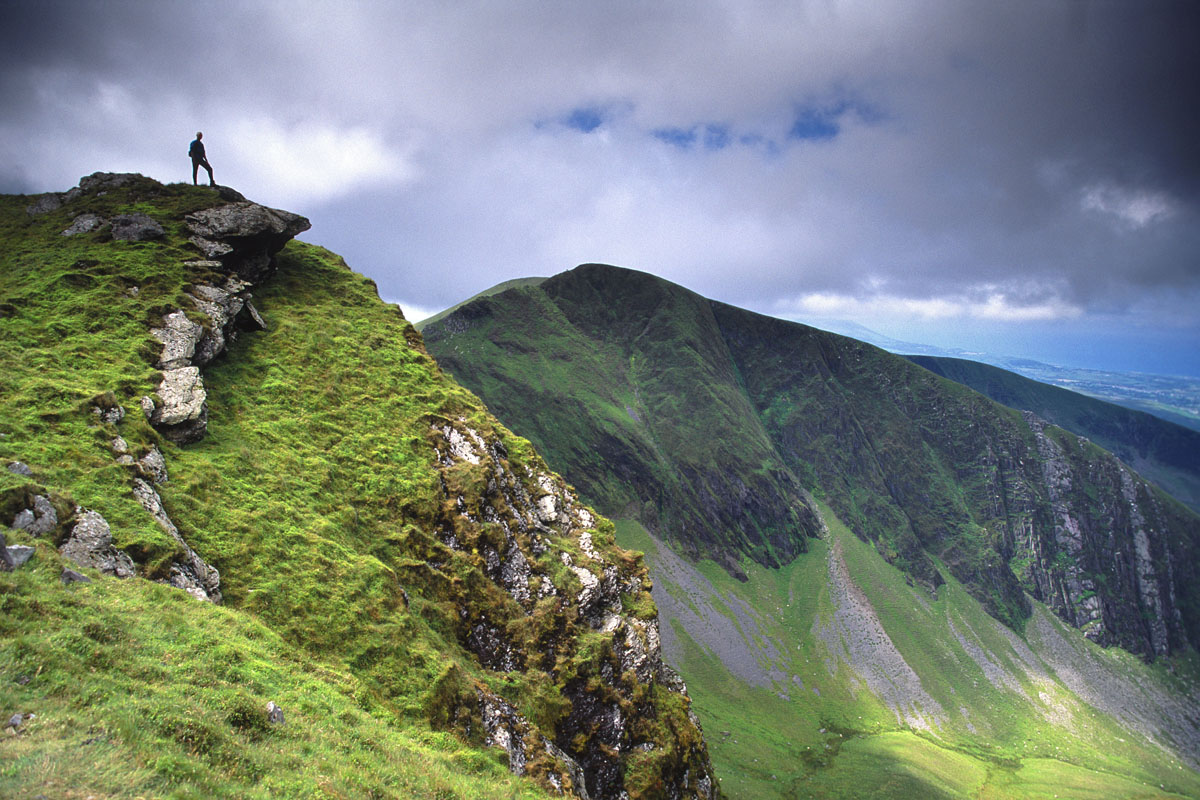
x,y
767,741
315,493
1164,452
163,693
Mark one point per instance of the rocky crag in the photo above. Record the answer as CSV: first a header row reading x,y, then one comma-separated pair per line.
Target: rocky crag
x,y
427,550
681,409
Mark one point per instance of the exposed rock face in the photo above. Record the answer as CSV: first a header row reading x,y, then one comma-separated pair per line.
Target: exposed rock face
x,y
191,573
1098,562
244,236
90,545
521,525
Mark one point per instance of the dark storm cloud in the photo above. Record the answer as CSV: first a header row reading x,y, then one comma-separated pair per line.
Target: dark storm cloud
x,y
1021,160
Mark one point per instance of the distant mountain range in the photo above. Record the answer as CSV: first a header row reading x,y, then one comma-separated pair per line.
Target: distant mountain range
x,y
1173,398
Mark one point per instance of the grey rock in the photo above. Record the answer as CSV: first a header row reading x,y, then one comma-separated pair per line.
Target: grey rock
x,y
191,574
183,416
179,337
45,203
153,466
244,236
274,714
135,228
20,554
147,405
71,576
19,468
90,545
84,223
38,520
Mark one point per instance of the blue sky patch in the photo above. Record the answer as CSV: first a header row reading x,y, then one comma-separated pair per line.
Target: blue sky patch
x,y
585,119
683,138
816,124
710,136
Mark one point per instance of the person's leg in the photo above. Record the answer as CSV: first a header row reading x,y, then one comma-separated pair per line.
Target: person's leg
x,y
195,166
211,182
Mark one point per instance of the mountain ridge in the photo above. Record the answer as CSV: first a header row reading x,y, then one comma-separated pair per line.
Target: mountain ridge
x,y
879,442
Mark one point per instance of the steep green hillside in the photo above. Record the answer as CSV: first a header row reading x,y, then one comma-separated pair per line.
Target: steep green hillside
x,y
940,635
281,498
1161,451
630,383
712,424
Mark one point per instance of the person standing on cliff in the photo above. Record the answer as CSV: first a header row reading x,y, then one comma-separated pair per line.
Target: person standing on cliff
x,y
196,151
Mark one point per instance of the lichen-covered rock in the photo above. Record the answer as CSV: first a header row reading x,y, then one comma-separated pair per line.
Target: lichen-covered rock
x,y
183,415
84,223
153,466
90,545
179,337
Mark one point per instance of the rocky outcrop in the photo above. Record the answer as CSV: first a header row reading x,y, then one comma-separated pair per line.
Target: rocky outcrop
x,y
1106,560
89,544
190,573
244,236
538,547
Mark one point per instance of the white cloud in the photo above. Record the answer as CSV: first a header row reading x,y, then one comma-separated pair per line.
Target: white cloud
x,y
994,307
311,162
1135,208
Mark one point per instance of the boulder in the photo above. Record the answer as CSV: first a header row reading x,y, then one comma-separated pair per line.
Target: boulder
x,y
135,228
84,223
38,520
244,236
90,545
19,468
71,576
183,415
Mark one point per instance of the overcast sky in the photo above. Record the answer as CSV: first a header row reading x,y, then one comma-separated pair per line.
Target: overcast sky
x,y
1017,176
